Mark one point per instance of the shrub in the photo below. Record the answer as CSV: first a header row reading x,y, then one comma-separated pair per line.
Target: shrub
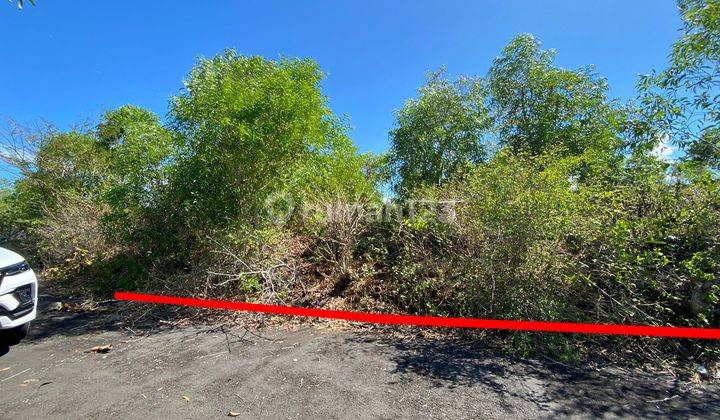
x,y
76,230
530,241
251,129
499,257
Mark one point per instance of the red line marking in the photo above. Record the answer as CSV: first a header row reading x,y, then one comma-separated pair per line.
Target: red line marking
x,y
429,321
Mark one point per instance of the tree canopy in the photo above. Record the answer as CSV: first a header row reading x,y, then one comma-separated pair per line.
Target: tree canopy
x,y
683,101
538,106
525,103
438,133
250,127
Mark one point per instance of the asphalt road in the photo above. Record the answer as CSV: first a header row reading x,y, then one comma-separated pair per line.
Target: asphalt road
x,y
307,372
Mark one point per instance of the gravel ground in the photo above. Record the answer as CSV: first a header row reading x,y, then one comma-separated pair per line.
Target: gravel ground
x,y
308,372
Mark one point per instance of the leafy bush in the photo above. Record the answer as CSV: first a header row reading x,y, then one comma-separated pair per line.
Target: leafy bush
x,y
499,257
250,129
438,134
531,242
141,151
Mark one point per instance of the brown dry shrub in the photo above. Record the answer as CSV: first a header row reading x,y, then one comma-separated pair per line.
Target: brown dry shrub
x,y
71,229
259,265
342,227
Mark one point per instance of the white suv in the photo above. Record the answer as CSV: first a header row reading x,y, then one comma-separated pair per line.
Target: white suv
x,y
18,295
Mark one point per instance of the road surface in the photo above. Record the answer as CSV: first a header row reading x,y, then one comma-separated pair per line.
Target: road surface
x,y
307,372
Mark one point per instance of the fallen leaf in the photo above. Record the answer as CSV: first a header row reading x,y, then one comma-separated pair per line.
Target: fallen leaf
x,y
233,414
186,398
101,349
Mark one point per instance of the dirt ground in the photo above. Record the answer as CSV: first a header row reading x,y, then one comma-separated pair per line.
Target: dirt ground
x,y
307,372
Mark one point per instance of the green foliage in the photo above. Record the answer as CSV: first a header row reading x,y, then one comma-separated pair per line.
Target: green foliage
x,y
141,151
700,42
76,178
525,103
20,208
377,170
682,101
511,212
528,242
538,106
252,128
119,126
70,163
706,151
438,134
7,216
641,242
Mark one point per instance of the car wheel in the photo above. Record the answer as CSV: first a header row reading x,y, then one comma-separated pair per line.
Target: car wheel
x,y
14,335
22,331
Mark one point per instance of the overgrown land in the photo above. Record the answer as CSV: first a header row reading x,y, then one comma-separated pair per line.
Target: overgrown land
x,y
526,193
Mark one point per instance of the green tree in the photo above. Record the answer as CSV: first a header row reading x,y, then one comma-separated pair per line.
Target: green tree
x,y
683,101
538,106
439,133
70,163
117,125
376,169
250,128
119,170
141,152
55,206
706,151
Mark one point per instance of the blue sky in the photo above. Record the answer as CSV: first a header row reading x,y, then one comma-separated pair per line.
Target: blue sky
x,y
68,61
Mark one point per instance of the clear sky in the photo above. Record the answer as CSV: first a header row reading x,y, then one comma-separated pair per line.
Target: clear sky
x,y
68,61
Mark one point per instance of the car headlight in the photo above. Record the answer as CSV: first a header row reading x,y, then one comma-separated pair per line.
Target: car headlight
x,y
14,269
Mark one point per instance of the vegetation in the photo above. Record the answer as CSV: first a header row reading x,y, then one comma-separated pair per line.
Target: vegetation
x,y
20,3
538,106
524,194
439,133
